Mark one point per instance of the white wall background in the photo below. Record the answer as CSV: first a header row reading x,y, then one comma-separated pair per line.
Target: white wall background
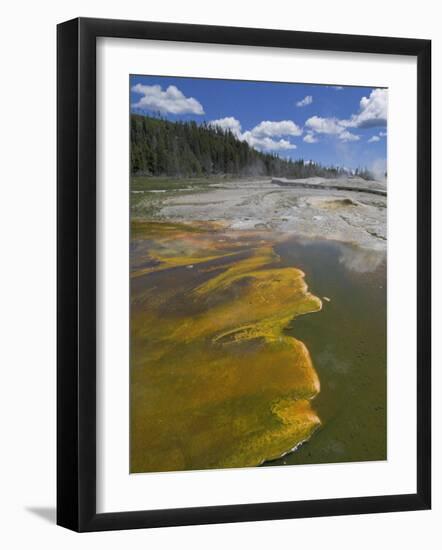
x,y
27,290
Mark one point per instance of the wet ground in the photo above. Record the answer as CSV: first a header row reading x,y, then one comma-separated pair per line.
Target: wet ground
x,y
215,380
229,349
346,210
347,343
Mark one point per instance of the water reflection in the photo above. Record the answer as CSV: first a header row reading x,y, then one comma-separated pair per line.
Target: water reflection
x,y
361,260
348,345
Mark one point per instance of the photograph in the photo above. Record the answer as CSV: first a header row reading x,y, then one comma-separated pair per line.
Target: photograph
x,y
217,281
258,261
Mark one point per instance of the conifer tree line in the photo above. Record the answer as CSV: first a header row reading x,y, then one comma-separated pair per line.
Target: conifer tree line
x,y
160,147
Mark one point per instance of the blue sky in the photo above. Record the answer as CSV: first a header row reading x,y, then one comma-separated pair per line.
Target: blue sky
x,y
339,125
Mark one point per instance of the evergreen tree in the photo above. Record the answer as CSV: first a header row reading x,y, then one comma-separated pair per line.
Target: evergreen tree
x,y
183,149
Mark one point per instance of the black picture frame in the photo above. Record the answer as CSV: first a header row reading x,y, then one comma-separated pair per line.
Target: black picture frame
x,y
76,274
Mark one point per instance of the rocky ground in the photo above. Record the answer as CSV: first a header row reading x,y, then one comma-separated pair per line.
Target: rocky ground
x,y
348,209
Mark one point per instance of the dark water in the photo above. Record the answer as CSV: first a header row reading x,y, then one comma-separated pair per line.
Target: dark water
x,y
347,342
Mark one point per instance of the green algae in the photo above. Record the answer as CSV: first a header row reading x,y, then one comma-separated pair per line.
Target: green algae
x,y
215,380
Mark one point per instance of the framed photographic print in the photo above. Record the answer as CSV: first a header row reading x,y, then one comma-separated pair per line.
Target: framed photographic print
x,y
243,274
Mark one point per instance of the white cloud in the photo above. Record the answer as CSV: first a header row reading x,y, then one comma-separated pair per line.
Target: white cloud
x,y
348,136
170,100
310,138
324,125
331,126
228,123
373,139
268,128
262,135
308,100
267,143
372,112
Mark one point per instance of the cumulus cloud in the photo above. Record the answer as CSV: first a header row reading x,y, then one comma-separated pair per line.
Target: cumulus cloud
x,y
267,143
228,123
310,138
308,100
324,125
171,100
268,128
263,135
373,139
348,136
330,126
372,111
